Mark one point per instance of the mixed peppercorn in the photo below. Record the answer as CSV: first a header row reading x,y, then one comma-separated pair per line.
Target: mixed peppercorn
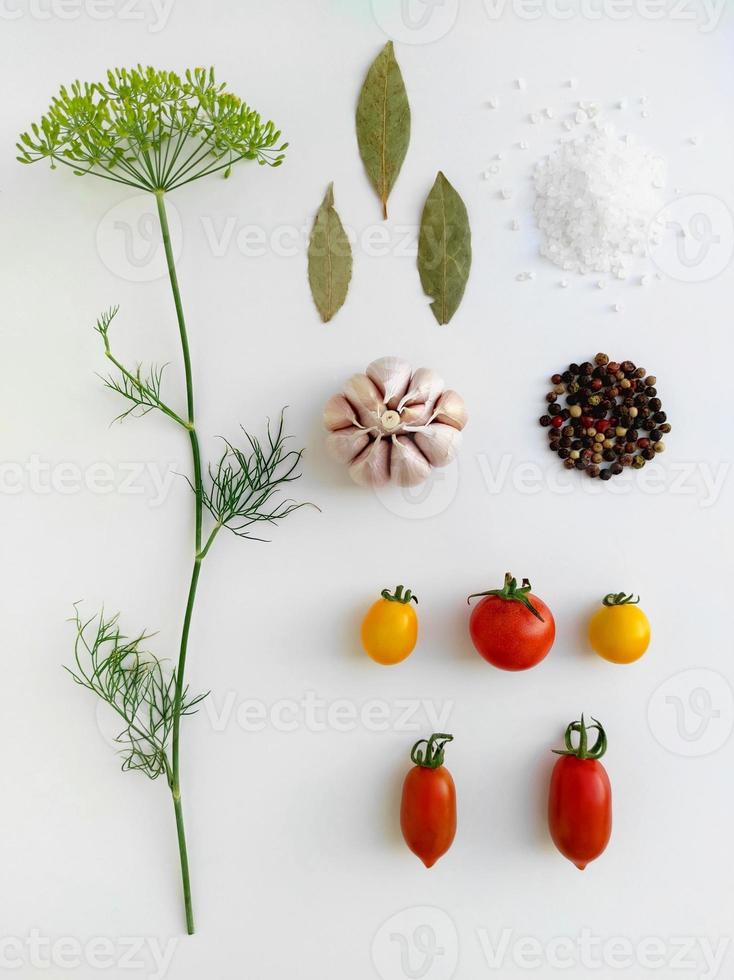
x,y
612,415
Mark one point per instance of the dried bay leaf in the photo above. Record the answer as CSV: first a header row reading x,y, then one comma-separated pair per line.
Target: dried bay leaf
x,y
383,123
444,248
329,259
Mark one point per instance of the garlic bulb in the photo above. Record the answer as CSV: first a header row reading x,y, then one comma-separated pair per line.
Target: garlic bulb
x,y
392,424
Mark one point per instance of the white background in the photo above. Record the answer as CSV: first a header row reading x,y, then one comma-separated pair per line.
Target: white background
x,y
297,859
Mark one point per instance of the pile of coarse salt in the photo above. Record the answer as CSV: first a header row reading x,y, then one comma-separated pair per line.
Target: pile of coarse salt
x,y
596,202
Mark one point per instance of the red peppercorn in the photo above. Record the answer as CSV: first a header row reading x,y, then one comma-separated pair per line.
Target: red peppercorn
x,y
587,421
643,443
556,421
602,425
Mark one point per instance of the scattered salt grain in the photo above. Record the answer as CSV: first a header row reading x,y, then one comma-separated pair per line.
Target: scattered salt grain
x,y
515,225
494,169
580,116
494,102
618,308
595,203
506,193
486,175
644,280
622,104
563,283
521,84
534,118
572,82
567,124
522,277
549,113
694,140
644,114
522,145
601,284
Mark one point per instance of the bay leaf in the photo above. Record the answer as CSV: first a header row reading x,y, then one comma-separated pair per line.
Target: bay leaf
x,y
329,259
444,248
383,123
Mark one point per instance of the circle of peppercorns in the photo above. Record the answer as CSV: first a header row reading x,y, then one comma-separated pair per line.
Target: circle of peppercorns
x,y
612,416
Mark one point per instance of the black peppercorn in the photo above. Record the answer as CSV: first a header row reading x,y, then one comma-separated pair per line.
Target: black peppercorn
x,y
660,417
551,396
606,474
593,470
649,453
616,468
569,464
573,368
665,427
554,409
656,435
581,464
545,420
564,453
650,391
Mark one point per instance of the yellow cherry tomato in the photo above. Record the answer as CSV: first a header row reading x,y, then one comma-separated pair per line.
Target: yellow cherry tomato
x,y
619,631
390,628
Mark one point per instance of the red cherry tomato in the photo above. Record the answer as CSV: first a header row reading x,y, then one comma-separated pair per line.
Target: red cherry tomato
x,y
428,806
580,798
510,627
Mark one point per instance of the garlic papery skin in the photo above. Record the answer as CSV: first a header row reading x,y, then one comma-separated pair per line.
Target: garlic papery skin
x,y
365,398
450,409
391,426
425,386
408,466
438,443
345,445
338,413
392,377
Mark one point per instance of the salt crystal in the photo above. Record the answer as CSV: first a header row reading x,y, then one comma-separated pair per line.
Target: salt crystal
x,y
567,124
486,175
506,193
549,113
644,113
622,104
572,83
515,225
520,83
618,308
580,116
534,118
596,202
563,283
644,280
601,284
523,145
694,140
499,156
531,275
494,102
494,169
522,276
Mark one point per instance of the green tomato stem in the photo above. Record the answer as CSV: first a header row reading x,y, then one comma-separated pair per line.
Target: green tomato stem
x,y
582,750
399,595
432,756
511,592
620,599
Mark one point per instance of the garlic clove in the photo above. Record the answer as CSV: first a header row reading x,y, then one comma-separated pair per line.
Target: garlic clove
x,y
438,443
408,465
338,413
451,410
418,414
344,445
372,467
365,398
392,377
425,386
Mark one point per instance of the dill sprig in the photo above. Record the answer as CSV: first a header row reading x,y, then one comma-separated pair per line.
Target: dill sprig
x,y
155,131
244,482
151,129
136,685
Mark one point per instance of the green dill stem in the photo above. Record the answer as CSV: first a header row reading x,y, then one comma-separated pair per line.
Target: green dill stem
x,y
175,781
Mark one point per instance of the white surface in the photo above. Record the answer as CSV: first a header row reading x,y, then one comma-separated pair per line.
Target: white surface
x,y
297,860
